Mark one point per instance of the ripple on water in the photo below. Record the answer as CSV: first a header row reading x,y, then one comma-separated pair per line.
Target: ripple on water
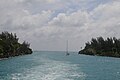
x,y
51,70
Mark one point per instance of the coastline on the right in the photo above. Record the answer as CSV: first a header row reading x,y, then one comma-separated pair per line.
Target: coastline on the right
x,y
99,46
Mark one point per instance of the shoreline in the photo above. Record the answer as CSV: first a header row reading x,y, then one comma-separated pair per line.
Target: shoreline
x,y
99,55
3,59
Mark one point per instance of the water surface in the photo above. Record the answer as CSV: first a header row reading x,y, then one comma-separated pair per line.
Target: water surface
x,y
54,65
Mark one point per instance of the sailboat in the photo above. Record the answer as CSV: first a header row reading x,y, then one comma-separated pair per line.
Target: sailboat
x,y
67,53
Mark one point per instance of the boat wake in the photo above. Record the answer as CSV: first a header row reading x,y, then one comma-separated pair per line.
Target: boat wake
x,y
51,70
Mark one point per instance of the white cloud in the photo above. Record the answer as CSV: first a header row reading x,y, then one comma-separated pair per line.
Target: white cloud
x,y
47,24
75,19
106,18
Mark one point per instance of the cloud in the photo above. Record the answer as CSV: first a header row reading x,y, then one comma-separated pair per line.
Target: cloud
x,y
106,18
47,24
75,19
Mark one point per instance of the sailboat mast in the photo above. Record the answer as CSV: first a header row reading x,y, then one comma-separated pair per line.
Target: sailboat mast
x,y
67,47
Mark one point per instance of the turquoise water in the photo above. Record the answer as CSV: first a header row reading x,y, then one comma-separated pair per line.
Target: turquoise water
x,y
45,65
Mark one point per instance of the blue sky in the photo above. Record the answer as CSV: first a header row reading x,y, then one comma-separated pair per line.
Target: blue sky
x,y
47,24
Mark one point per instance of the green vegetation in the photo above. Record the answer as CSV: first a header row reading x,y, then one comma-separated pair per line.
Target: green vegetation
x,y
102,47
10,47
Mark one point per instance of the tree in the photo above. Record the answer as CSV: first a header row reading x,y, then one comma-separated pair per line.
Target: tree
x,y
104,47
9,45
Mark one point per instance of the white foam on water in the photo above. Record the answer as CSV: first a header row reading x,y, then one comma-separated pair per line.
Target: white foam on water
x,y
51,70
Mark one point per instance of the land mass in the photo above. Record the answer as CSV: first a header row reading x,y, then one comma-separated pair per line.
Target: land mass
x,y
10,47
102,47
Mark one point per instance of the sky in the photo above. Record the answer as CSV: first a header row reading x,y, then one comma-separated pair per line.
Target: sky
x,y
48,24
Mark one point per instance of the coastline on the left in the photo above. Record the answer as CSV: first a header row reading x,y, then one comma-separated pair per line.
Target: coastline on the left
x,y
10,46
